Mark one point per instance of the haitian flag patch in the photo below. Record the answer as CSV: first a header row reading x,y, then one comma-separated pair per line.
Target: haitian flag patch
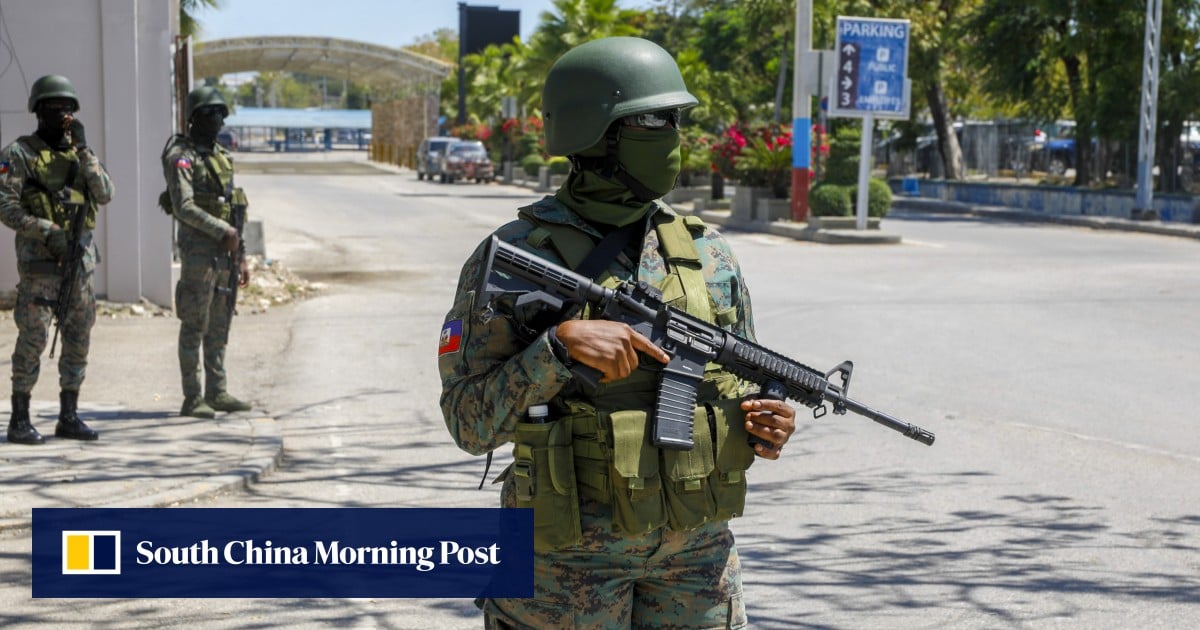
x,y
451,337
3,167
183,163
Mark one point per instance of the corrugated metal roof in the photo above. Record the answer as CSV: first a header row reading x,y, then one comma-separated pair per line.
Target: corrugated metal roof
x,y
281,117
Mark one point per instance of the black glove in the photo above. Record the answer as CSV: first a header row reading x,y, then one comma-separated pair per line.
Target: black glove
x,y
56,242
77,136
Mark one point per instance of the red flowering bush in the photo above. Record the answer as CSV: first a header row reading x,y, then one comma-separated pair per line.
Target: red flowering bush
x,y
472,131
524,135
726,149
766,159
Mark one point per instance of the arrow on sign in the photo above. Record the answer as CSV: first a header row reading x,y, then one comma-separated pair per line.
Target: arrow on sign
x,y
848,49
846,83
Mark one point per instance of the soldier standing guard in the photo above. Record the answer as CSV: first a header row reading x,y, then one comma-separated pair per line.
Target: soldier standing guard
x,y
201,196
45,180
626,534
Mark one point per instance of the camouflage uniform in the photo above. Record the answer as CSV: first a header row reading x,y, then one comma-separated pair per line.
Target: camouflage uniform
x,y
199,204
35,263
491,374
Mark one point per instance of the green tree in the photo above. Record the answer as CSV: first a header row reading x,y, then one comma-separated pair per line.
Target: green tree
x,y
573,22
189,26
1044,56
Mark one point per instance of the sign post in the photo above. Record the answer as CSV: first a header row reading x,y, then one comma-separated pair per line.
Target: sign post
x,y
870,82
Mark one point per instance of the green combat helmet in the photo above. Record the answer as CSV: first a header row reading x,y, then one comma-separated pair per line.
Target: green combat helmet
x,y
51,86
598,82
205,95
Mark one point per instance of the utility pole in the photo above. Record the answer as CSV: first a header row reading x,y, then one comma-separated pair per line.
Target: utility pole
x,y
801,114
1148,120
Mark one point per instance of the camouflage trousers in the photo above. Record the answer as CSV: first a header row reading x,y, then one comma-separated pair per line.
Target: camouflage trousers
x,y
204,323
33,330
664,579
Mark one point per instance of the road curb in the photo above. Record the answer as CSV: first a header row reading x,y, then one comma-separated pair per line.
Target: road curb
x,y
262,457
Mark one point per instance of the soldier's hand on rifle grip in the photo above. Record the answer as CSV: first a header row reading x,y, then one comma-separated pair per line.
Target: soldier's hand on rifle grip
x,y
56,242
608,346
231,241
772,421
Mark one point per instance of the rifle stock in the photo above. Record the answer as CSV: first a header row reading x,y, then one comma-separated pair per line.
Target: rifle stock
x,y
691,342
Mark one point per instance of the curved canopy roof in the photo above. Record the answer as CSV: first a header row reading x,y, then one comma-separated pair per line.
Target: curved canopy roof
x,y
320,56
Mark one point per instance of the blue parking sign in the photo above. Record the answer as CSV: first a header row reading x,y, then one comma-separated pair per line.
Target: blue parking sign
x,y
872,68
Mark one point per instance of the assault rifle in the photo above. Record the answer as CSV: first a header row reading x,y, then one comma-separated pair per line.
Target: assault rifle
x,y
691,342
237,218
61,305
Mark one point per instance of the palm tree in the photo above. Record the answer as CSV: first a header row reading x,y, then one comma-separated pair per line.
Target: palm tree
x,y
574,22
189,26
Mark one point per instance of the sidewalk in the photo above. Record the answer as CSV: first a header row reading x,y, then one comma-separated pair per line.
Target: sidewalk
x,y
147,455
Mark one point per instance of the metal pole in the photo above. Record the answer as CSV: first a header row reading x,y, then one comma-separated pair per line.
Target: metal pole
x,y
1147,124
801,115
864,170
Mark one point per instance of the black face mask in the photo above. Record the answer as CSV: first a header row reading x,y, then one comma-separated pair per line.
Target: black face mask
x,y
206,123
51,126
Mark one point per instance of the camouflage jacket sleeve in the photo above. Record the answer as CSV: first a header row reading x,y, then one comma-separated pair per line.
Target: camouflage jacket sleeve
x,y
490,376
99,184
715,252
14,170
179,168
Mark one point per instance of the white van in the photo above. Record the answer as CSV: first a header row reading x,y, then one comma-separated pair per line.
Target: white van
x,y
429,156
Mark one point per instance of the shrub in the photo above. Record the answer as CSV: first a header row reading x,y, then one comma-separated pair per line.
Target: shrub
x,y
879,198
830,200
559,165
531,163
842,166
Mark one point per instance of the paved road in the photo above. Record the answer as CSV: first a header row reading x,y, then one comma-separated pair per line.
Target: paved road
x,y
1055,364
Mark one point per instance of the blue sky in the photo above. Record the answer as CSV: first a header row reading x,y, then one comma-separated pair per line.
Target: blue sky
x,y
387,22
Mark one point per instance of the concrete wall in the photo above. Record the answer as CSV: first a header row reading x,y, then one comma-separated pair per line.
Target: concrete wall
x,y
117,53
1055,200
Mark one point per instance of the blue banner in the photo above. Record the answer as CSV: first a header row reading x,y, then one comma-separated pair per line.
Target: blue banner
x,y
283,552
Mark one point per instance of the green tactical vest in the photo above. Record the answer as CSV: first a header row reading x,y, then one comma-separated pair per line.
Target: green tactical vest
x,y
47,194
600,446
214,197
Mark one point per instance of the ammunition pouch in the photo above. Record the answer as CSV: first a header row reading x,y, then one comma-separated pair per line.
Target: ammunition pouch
x,y
647,487
213,203
543,473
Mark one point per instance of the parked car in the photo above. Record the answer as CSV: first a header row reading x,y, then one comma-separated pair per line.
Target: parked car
x,y
467,160
429,156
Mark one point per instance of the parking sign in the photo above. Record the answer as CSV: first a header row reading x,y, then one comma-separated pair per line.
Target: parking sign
x,y
872,68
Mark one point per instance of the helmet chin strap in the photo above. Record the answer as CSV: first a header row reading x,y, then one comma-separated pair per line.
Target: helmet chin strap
x,y
609,167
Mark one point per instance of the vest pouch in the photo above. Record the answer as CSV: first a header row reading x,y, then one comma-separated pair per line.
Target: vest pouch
x,y
239,197
37,203
543,473
637,501
211,203
734,456
690,504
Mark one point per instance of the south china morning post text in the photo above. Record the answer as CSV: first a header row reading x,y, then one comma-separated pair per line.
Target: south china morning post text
x,y
283,552
333,552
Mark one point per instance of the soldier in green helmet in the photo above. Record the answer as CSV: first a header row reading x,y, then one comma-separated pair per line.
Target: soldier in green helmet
x,y
626,535
202,198
47,179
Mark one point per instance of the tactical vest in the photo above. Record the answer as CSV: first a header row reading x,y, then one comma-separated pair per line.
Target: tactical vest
x,y
212,181
47,194
598,445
